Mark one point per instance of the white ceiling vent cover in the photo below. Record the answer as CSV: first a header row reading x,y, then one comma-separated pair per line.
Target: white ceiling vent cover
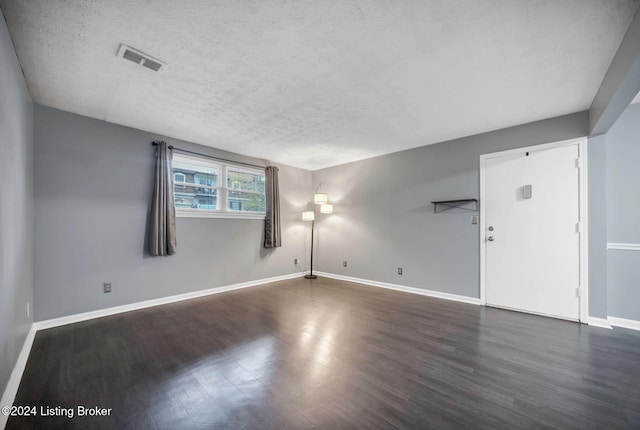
x,y
142,59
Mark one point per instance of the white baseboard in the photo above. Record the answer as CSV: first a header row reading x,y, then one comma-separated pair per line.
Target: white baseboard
x,y
599,322
413,290
11,389
56,322
625,323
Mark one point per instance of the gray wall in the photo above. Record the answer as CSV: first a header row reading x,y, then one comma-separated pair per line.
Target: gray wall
x,y
383,219
597,154
90,218
623,214
16,206
93,183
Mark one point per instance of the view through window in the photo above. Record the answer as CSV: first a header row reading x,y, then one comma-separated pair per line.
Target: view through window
x,y
204,187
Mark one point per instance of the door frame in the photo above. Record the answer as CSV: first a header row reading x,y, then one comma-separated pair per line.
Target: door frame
x,y
583,216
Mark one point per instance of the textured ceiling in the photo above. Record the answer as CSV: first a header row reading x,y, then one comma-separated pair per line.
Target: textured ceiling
x,y
318,83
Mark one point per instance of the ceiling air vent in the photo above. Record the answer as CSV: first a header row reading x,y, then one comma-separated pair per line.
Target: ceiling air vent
x,y
140,58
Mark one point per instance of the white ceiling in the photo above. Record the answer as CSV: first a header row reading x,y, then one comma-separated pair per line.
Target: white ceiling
x,y
319,83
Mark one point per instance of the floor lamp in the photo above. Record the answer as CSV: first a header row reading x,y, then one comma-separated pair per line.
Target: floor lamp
x,y
320,199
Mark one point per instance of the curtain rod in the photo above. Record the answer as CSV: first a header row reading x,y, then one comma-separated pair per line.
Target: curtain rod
x,y
210,156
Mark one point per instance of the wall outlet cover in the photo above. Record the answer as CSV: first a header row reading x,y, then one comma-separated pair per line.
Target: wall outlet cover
x,y
107,287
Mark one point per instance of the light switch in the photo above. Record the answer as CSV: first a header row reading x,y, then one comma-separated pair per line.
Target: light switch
x,y
527,192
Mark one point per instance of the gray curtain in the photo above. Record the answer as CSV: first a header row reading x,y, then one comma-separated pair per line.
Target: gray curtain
x,y
272,221
162,231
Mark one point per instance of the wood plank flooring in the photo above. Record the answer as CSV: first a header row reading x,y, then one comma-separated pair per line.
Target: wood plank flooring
x,y
327,354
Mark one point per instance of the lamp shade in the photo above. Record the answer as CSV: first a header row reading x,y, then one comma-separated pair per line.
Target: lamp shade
x,y
326,209
320,198
308,216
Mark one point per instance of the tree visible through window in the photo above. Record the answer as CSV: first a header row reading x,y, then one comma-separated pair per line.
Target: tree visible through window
x,y
246,191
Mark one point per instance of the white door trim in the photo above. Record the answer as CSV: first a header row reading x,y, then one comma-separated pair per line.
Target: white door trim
x,y
584,224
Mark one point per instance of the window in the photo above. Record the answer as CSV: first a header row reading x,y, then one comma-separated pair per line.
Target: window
x,y
179,179
246,190
206,188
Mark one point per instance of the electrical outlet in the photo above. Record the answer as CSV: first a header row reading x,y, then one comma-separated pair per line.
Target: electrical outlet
x,y
296,261
344,263
107,287
399,270
28,309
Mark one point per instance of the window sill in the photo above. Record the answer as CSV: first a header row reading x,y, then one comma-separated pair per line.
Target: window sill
x,y
183,213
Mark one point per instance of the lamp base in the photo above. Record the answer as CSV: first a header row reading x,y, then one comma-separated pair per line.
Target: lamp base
x,y
310,276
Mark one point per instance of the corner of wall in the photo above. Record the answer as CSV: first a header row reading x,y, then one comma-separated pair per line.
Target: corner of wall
x,y
17,207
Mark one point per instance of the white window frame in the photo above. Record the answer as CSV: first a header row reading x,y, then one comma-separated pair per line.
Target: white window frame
x,y
223,190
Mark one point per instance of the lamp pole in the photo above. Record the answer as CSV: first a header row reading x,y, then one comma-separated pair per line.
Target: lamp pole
x,y
311,275
310,215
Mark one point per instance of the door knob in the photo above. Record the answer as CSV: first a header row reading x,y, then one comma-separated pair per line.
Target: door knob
x,y
490,228
490,238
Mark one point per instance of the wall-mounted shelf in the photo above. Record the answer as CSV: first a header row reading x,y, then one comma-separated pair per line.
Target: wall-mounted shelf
x,y
443,205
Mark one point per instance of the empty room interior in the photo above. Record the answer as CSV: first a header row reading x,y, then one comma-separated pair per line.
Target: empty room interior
x,y
320,215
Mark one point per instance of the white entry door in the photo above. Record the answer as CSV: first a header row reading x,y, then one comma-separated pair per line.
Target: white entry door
x,y
532,231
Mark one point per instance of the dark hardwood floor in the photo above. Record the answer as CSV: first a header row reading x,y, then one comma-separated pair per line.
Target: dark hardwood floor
x,y
333,355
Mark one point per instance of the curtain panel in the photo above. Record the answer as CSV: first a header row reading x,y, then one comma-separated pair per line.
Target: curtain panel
x,y
162,234
272,235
